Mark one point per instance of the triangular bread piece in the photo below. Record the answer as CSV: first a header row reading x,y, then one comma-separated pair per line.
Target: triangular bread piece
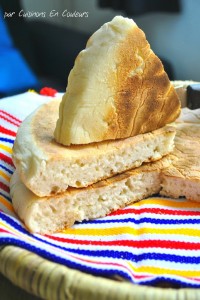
x,y
117,88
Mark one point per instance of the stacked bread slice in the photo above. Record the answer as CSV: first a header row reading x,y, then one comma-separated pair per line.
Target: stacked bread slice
x,y
104,145
46,167
175,175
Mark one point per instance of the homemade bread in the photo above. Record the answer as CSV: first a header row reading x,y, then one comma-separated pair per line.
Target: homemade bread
x,y
117,89
182,177
47,167
50,214
175,175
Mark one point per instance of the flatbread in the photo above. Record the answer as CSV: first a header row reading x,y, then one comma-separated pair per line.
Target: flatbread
x,y
50,214
47,167
175,175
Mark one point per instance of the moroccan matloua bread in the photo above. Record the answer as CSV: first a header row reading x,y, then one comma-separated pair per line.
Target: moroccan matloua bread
x,y
50,214
117,88
175,175
182,177
47,167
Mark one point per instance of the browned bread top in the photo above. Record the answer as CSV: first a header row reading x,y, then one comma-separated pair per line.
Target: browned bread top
x,y
118,88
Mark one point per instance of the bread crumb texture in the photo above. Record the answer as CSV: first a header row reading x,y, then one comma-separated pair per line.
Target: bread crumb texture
x,y
182,177
175,175
47,167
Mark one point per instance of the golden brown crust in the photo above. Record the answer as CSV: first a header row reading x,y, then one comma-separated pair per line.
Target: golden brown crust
x,y
145,101
118,88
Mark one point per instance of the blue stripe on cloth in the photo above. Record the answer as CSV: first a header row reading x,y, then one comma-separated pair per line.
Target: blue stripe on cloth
x,y
64,261
21,229
139,257
107,253
85,268
6,169
168,280
6,197
146,220
7,140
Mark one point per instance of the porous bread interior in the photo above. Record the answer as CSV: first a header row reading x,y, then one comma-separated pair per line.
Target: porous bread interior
x,y
177,187
182,177
47,167
118,88
47,215
178,174
57,175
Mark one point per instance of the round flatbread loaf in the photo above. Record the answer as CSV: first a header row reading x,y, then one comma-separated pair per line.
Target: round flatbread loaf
x,y
175,175
47,167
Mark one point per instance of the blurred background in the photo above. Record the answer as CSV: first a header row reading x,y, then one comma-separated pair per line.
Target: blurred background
x,y
46,36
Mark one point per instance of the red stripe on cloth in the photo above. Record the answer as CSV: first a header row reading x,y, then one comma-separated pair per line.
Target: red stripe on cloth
x,y
9,121
6,159
192,278
7,131
158,211
116,264
10,116
4,187
5,231
135,244
10,232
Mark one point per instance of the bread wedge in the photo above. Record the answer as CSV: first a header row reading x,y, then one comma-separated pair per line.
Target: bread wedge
x,y
47,167
117,88
50,214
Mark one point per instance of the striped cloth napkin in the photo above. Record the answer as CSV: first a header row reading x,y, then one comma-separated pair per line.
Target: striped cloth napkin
x,y
157,239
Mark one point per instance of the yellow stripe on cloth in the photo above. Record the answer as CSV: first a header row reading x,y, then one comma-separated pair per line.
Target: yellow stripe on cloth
x,y
160,271
168,203
6,148
6,203
132,231
10,228
4,175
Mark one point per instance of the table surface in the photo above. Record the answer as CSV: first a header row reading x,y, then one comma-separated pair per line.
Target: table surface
x,y
10,291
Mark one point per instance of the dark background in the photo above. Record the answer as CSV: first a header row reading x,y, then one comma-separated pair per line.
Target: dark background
x,y
50,45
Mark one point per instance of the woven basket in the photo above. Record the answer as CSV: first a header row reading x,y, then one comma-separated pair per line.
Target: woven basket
x,y
52,281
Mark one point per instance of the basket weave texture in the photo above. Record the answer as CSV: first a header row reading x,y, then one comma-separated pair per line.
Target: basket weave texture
x,y
52,281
